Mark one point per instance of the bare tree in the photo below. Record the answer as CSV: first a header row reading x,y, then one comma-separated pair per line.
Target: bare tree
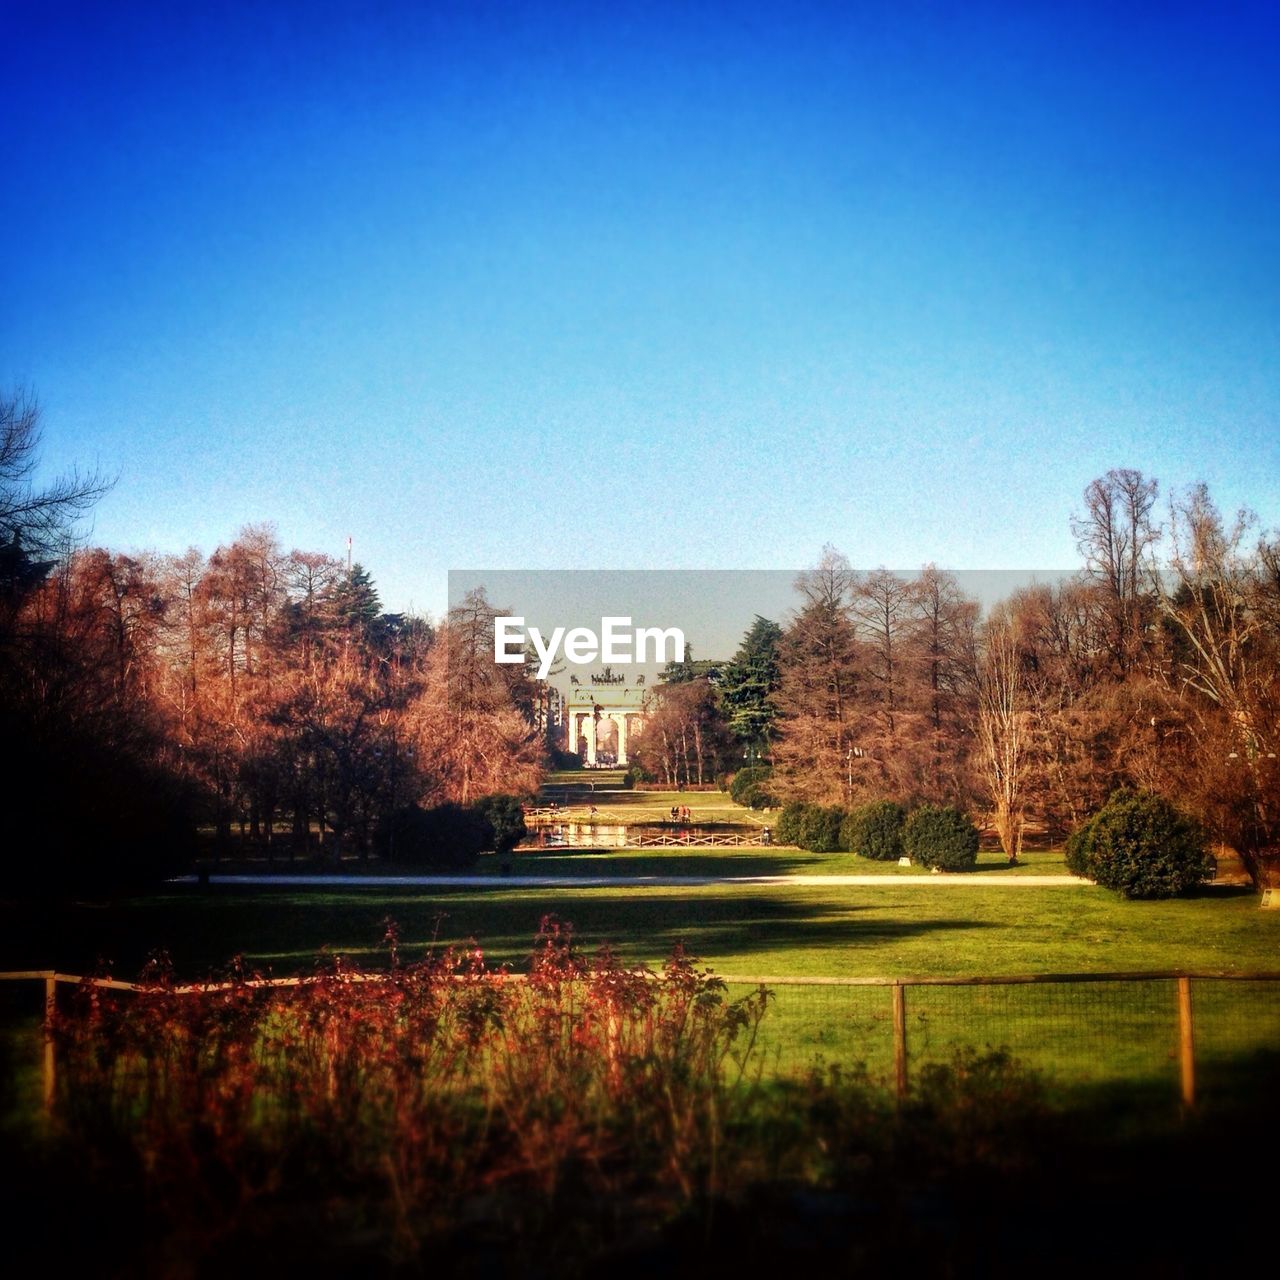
x,y
1115,536
684,739
1220,602
35,520
1001,714
940,647
820,668
881,604
1213,608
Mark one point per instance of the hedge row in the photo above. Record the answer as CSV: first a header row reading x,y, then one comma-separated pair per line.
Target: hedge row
x,y
1139,844
932,836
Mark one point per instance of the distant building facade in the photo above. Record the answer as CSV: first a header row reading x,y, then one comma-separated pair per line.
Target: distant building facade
x,y
602,718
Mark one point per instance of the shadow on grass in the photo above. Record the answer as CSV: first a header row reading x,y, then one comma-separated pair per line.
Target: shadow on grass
x,y
1222,892
1226,1082
715,865
638,928
288,929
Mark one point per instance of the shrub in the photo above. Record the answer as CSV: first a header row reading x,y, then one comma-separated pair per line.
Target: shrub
x,y
874,830
1141,846
757,797
412,1096
941,837
820,828
744,779
787,830
446,838
1079,846
505,815
636,774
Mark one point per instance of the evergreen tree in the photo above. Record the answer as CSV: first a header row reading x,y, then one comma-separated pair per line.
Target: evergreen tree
x,y
356,602
683,671
748,683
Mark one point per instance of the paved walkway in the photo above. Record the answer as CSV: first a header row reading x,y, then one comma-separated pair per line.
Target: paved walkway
x,y
988,878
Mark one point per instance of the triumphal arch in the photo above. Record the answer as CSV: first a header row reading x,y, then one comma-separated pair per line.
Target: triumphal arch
x,y
601,715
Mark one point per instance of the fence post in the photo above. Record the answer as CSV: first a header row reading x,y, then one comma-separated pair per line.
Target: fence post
x,y
900,1039
1186,1043
50,1013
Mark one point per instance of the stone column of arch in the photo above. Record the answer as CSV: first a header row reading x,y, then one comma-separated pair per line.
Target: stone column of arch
x,y
591,739
621,721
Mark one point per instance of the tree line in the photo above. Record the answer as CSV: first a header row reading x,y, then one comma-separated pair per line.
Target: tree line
x,y
264,695
1155,667
259,692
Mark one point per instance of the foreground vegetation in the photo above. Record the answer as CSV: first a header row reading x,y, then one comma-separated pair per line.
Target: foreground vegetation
x,y
587,1118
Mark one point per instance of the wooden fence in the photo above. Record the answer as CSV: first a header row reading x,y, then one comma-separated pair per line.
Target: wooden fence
x,y
678,841
897,990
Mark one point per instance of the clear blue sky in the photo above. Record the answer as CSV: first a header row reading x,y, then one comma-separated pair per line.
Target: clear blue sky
x,y
688,285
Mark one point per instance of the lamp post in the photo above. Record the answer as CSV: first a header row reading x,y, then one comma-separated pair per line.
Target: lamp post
x,y
849,758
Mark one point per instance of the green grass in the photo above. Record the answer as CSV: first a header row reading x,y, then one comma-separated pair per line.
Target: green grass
x,y
749,861
796,929
788,929
1077,1034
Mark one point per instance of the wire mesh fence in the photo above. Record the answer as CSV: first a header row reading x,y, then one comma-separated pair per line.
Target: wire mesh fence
x,y
1079,1033
1204,1038
1237,1029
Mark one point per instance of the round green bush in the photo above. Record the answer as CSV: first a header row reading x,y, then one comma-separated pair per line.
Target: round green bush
x,y
820,828
874,830
941,837
787,830
505,815
1141,846
744,779
757,797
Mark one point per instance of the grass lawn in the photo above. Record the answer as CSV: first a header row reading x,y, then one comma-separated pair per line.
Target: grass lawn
x,y
793,929
750,861
796,930
1074,1033
1082,1038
